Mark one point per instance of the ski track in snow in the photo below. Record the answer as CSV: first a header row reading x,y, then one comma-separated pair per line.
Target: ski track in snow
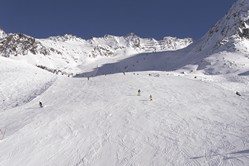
x,y
102,121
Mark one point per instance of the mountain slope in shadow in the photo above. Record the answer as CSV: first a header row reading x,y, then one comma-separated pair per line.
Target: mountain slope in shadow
x,y
160,61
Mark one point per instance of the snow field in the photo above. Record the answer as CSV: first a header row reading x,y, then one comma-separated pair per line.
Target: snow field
x,y
20,83
102,121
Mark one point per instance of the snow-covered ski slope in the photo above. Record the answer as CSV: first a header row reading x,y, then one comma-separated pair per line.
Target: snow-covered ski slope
x,y
199,113
20,83
102,121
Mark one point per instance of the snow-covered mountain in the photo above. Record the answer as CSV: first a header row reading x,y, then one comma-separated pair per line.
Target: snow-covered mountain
x,y
21,45
66,53
229,31
114,43
224,48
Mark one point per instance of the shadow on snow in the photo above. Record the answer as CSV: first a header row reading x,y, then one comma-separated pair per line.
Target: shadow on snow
x,y
243,153
159,61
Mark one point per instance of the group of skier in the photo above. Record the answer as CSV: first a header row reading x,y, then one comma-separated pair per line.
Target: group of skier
x,y
139,93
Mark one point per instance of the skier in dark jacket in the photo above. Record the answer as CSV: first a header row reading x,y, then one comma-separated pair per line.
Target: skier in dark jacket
x,y
40,104
138,92
237,93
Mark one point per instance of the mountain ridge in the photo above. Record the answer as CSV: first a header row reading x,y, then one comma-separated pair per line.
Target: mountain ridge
x,y
211,54
65,53
229,30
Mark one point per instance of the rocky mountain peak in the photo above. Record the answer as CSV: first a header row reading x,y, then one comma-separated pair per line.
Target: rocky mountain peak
x,y
66,37
20,44
231,29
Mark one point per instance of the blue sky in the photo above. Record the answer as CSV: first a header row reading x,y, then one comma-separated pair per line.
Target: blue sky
x,y
94,18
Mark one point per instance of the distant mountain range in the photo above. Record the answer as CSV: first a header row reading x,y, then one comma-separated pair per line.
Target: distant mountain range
x,y
223,49
63,52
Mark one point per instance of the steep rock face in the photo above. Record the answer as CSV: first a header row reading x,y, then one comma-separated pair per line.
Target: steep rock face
x,y
101,51
227,32
173,43
20,44
224,49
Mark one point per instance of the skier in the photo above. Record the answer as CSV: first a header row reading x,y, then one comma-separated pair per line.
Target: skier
x,y
150,97
138,92
40,104
237,93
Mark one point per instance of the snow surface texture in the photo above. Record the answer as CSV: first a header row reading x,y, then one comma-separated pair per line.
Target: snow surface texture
x,y
102,121
20,83
198,114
